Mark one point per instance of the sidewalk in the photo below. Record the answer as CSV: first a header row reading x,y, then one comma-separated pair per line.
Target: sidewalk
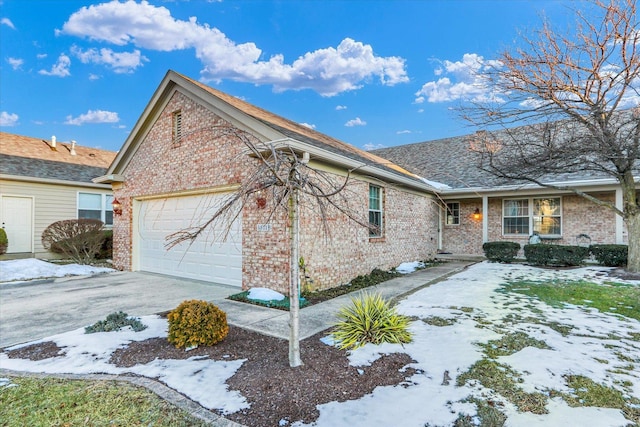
x,y
319,317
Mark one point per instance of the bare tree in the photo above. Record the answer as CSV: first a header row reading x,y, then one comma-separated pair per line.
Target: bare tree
x,y
280,177
573,98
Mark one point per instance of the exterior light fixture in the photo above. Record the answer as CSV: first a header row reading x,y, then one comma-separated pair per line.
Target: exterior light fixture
x,y
261,202
477,215
117,207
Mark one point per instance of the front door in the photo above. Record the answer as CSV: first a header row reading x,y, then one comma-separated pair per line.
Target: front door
x,y
17,221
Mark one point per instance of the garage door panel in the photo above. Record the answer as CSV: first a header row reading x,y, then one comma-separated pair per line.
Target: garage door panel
x,y
209,257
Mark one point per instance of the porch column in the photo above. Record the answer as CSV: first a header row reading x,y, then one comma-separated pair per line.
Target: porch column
x,y
619,220
485,219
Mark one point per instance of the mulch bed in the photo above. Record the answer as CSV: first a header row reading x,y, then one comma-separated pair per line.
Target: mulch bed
x,y
274,390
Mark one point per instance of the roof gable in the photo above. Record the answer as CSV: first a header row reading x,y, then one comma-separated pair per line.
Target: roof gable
x,y
263,124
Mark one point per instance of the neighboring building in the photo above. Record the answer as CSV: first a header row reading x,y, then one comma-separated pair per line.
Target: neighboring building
x,y
44,181
478,207
178,162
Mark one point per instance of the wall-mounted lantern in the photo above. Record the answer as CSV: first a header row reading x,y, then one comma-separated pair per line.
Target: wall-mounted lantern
x,y
477,215
117,207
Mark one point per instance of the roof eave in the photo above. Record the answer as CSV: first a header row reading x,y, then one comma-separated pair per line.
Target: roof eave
x,y
108,179
606,184
32,179
351,164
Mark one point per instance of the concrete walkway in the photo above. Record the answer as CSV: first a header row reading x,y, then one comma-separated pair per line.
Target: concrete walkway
x,y
320,317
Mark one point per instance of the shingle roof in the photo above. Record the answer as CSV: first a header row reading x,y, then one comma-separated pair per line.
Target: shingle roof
x,y
450,161
303,133
34,157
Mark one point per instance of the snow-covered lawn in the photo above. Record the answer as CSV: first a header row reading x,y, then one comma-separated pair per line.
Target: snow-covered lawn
x,y
31,268
470,310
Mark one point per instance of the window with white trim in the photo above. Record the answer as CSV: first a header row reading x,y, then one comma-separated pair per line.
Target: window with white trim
x,y
452,214
542,215
547,217
375,211
96,206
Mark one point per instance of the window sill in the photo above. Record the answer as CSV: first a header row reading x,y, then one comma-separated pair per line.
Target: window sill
x,y
381,239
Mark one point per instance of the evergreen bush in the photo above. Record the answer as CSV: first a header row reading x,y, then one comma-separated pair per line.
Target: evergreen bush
x,y
370,319
194,323
610,255
501,251
4,241
558,255
114,322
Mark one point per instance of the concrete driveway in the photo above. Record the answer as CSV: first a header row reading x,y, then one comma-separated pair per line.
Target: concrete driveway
x,y
35,310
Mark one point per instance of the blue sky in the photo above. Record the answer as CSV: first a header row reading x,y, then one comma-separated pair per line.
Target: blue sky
x,y
370,73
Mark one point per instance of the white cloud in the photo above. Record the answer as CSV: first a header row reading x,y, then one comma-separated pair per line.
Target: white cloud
x,y
355,122
8,119
125,62
308,125
341,107
403,132
371,146
93,116
60,68
41,55
7,22
328,71
16,63
94,77
461,80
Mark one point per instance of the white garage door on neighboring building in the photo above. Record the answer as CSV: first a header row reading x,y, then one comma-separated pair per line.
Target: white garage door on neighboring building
x,y
209,257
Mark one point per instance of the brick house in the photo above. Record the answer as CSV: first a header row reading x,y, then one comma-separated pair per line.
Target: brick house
x,y
43,181
479,207
427,198
176,164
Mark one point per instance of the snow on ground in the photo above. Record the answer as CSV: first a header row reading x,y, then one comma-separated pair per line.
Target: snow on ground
x,y
600,346
31,268
264,294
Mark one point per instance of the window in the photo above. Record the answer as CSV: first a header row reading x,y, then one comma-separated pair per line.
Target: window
x,y
177,127
452,215
515,215
546,216
96,206
542,215
375,211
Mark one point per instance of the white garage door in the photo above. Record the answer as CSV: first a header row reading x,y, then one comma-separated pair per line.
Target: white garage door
x,y
210,257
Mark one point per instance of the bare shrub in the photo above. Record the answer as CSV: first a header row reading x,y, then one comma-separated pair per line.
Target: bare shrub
x,y
79,239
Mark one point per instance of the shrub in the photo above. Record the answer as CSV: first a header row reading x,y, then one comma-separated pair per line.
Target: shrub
x,y
114,322
610,255
501,251
79,239
195,323
370,319
537,254
106,249
4,242
561,255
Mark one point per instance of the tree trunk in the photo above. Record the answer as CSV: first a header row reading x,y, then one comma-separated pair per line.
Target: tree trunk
x,y
294,281
633,228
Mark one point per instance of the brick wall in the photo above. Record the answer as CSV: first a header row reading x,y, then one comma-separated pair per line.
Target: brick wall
x,y
466,237
206,159
578,216
409,234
